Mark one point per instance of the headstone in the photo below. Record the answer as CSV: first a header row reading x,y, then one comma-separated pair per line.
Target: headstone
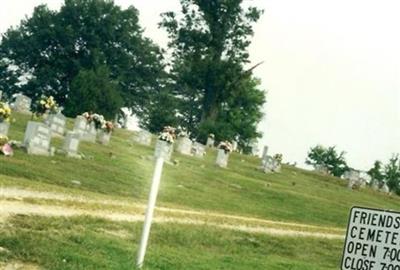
x,y
210,142
222,158
71,144
321,169
86,130
143,137
91,133
4,127
37,139
22,104
163,149
80,124
56,122
254,147
385,189
270,165
198,150
265,151
103,137
234,146
184,146
354,178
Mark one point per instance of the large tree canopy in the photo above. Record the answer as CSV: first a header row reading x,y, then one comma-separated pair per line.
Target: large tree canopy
x,y
53,47
209,45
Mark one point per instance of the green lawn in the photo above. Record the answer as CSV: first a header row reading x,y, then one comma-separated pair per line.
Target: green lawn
x,y
123,170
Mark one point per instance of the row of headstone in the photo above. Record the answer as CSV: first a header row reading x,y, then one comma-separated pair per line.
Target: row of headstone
x,y
354,179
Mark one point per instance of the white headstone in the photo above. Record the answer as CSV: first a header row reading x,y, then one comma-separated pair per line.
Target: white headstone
x,y
234,146
143,137
254,147
270,164
163,149
354,178
37,139
80,124
198,149
86,130
385,189
71,144
222,158
56,122
184,146
22,104
103,137
210,142
4,127
265,152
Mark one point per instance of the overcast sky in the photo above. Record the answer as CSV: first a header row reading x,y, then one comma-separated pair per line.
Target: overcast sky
x,y
331,71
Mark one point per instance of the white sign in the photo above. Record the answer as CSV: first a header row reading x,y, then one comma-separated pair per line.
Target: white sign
x,y
372,240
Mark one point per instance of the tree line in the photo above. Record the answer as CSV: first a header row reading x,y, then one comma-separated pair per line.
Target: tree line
x,y
91,55
335,163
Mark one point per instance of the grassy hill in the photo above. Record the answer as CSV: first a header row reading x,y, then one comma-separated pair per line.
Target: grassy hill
x,y
121,172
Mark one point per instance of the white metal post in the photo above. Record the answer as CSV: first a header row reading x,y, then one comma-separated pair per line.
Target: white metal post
x,y
150,210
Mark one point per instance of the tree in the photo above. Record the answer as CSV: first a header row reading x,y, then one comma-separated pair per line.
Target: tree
x,y
92,90
392,174
209,48
8,78
53,47
328,157
376,173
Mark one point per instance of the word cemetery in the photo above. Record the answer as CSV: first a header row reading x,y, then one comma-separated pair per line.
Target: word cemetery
x,y
372,240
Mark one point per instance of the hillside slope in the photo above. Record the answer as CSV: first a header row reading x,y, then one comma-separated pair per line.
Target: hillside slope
x,y
122,172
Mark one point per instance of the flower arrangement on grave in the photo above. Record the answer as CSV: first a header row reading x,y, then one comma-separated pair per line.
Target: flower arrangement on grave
x,y
98,121
5,146
226,146
108,127
182,133
88,116
278,158
5,112
167,135
45,105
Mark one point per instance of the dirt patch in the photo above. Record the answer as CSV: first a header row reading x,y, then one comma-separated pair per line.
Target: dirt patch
x,y
17,207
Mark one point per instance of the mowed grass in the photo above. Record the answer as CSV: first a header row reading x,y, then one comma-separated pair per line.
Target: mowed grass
x,y
87,243
124,169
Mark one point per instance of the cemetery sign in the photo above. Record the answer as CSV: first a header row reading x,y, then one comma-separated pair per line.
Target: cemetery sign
x,y
372,240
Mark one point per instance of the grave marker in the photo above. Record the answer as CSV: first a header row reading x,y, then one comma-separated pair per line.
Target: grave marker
x,y
22,104
198,150
222,158
103,137
4,127
56,122
71,144
184,146
37,139
143,137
